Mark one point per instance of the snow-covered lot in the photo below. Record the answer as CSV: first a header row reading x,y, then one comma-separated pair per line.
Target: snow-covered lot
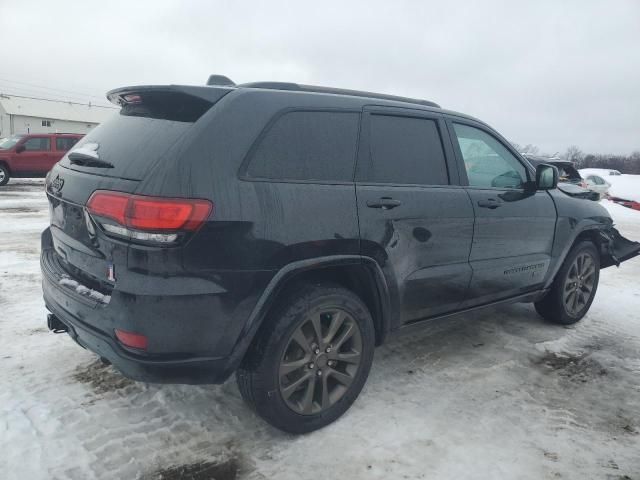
x,y
496,395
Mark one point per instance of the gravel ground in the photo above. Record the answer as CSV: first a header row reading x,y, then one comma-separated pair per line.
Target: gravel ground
x,y
496,394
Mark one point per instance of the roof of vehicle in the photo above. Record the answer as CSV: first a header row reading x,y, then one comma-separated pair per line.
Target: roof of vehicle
x,y
295,87
48,134
536,159
54,109
215,91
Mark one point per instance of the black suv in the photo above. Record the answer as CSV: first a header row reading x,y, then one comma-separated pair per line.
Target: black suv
x,y
282,231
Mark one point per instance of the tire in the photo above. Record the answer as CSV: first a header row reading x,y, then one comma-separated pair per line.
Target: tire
x,y
4,175
294,401
568,301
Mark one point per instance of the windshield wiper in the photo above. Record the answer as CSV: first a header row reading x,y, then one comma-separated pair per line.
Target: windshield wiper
x,y
87,156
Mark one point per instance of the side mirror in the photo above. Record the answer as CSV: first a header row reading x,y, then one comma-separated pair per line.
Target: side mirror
x,y
546,177
20,149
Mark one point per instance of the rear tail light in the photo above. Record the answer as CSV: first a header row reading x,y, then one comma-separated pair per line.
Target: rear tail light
x,y
147,219
583,184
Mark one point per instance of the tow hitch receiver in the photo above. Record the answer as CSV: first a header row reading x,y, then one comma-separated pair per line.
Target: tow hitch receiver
x,y
55,325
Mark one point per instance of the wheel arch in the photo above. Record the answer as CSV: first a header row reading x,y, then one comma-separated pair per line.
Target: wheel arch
x,y
594,234
361,275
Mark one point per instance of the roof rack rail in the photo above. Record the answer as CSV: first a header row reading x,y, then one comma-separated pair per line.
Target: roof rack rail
x,y
295,87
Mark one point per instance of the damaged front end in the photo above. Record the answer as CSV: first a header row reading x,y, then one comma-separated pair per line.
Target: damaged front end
x,y
615,248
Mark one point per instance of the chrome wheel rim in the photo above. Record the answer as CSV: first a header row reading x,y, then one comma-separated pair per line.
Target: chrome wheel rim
x,y
320,361
578,286
2,175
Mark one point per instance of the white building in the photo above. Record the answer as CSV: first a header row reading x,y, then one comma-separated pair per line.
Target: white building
x,y
20,114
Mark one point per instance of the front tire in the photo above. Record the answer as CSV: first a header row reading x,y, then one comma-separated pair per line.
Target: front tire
x,y
574,287
4,175
310,360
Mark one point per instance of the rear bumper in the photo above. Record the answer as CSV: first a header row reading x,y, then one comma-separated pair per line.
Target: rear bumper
x,y
193,338
140,368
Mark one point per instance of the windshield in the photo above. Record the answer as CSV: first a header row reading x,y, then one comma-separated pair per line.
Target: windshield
x,y
8,143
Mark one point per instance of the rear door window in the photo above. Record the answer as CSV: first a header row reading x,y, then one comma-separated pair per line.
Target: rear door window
x,y
37,144
65,143
487,162
307,145
403,150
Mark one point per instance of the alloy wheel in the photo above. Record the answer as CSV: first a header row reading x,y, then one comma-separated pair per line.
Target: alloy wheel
x,y
578,286
320,362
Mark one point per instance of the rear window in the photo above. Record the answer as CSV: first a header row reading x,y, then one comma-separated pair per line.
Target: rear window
x,y
65,143
134,139
404,150
131,144
37,144
568,172
307,145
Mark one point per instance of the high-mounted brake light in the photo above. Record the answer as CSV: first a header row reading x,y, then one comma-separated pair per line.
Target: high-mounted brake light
x,y
132,98
154,219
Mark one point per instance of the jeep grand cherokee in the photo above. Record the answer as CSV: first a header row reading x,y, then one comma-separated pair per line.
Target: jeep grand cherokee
x,y
282,231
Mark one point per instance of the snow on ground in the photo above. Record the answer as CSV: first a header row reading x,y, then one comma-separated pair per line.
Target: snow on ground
x,y
496,394
623,186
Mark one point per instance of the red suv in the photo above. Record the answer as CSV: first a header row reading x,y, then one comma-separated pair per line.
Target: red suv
x,y
33,155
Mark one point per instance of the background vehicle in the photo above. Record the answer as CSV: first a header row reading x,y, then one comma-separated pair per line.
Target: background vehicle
x,y
570,181
598,184
622,187
183,248
33,155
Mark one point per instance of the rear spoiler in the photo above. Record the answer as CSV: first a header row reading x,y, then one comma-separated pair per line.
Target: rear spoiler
x,y
210,94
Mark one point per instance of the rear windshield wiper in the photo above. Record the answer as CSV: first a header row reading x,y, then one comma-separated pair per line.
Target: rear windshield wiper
x,y
88,158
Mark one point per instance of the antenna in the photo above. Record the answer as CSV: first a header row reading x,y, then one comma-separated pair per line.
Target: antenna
x,y
220,80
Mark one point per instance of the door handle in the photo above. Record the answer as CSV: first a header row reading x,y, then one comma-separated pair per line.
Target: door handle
x,y
490,203
385,203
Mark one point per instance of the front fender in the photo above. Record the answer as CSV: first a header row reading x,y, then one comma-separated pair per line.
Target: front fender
x,y
578,219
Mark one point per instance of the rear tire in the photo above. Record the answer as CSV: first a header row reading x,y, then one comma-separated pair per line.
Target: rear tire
x,y
574,287
4,175
310,359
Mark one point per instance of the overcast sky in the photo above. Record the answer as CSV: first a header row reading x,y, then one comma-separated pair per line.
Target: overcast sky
x,y
550,73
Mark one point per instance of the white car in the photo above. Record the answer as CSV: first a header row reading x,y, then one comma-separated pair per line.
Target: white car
x,y
597,184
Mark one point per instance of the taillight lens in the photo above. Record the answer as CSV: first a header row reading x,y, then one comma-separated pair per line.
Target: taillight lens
x,y
153,219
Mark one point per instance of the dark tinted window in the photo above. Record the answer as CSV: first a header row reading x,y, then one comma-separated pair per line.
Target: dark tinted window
x,y
37,144
404,150
133,145
65,143
567,172
308,146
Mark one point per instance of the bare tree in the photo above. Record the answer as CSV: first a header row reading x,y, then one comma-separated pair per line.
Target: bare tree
x,y
574,155
530,149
